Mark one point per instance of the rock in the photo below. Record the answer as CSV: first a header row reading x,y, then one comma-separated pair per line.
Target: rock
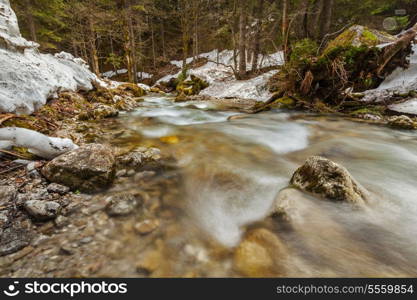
x,y
122,204
139,158
285,204
102,111
13,239
61,221
4,218
358,36
7,194
89,169
260,254
402,122
42,210
58,189
329,180
147,226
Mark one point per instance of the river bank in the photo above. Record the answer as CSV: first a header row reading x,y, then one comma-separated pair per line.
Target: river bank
x,y
206,213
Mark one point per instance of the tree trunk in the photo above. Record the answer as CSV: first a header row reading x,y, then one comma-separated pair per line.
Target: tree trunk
x,y
153,46
257,38
242,42
316,15
303,27
185,27
326,17
30,21
285,27
129,42
93,49
164,54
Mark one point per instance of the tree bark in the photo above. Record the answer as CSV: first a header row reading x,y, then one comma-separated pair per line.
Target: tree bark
x,y
30,21
304,9
242,41
129,42
285,27
326,17
257,38
93,48
315,19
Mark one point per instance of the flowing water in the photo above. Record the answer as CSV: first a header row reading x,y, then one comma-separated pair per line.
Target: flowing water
x,y
232,170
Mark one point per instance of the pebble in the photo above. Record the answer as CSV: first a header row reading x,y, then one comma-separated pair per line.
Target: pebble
x,y
147,226
61,221
122,204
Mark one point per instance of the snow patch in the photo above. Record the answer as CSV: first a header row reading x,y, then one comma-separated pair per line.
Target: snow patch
x,y
400,81
37,143
28,78
221,78
408,107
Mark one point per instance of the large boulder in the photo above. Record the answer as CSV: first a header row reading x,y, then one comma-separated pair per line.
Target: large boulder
x,y
358,36
329,180
89,168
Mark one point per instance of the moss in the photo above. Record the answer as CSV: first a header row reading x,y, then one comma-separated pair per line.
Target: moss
x,y
24,153
192,86
373,110
369,38
132,88
303,51
284,103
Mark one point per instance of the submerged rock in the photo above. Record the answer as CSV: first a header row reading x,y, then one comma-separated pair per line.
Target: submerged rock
x,y
122,204
147,226
89,168
329,180
140,158
13,239
260,254
402,122
42,210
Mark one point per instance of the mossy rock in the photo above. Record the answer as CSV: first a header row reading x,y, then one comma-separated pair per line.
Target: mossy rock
x,y
358,36
134,89
193,86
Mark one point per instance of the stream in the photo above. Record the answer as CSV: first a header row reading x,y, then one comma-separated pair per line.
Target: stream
x,y
233,170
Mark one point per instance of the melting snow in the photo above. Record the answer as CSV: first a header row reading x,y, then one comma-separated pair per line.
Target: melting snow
x,y
400,81
28,78
222,81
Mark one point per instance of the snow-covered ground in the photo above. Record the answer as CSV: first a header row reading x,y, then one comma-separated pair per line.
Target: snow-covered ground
x,y
110,74
401,81
222,81
28,78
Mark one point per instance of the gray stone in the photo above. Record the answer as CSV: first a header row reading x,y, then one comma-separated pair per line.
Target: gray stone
x,y
58,189
88,169
13,239
329,180
42,210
